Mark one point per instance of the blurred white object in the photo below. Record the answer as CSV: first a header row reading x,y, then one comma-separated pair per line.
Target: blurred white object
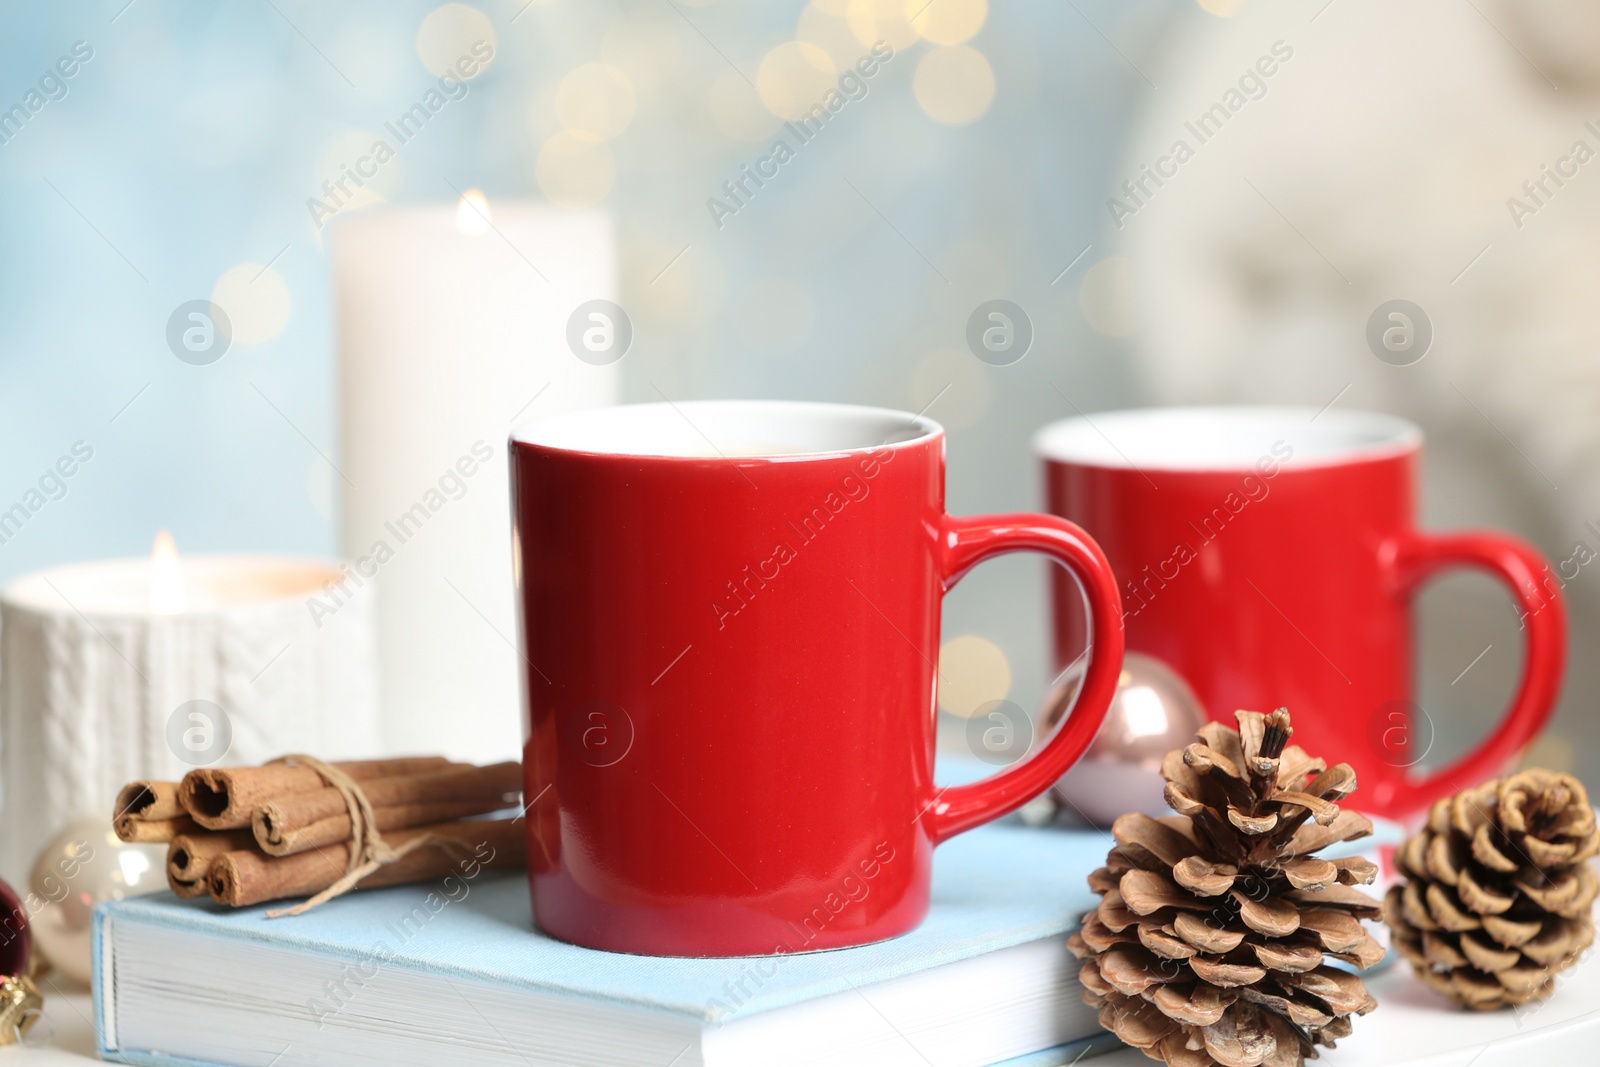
x,y
84,865
124,669
1382,160
1153,713
453,323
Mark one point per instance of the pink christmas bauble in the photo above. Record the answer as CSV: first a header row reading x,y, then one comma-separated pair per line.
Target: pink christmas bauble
x,y
1153,713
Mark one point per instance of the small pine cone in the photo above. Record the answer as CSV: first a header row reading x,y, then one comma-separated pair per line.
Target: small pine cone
x,y
1208,944
1498,891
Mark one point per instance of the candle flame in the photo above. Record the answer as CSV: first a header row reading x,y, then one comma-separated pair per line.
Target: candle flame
x,y
167,594
472,213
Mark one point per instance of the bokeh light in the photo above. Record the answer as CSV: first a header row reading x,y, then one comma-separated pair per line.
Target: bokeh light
x,y
829,32
947,21
596,98
794,77
880,20
972,672
256,300
954,86
452,32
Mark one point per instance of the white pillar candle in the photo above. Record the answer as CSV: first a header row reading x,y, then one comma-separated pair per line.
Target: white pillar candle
x,y
451,329
99,663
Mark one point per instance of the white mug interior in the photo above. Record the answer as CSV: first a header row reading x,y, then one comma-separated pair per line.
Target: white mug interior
x,y
727,428
1224,438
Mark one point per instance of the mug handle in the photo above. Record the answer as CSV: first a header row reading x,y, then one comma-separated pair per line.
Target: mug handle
x,y
1415,557
963,544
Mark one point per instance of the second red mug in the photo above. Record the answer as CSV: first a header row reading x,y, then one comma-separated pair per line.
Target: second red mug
x,y
1270,555
730,617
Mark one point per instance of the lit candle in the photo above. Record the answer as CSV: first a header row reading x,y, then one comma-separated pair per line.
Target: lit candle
x,y
453,325
124,669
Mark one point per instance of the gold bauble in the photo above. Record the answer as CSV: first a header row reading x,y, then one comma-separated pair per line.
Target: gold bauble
x,y
82,866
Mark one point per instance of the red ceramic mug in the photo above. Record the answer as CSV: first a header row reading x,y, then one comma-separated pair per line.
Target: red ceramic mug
x,y
1269,555
730,617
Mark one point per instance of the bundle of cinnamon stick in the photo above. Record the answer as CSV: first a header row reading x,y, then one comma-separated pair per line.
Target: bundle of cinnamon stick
x,y
251,834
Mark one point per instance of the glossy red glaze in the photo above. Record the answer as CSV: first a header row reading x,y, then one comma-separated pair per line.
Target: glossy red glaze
x,y
1296,591
731,686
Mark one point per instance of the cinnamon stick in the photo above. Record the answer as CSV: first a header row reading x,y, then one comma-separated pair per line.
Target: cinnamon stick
x,y
245,877
274,840
189,856
149,800
300,821
152,831
222,798
187,890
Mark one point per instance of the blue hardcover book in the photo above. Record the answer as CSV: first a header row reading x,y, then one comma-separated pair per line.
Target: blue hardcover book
x,y
456,972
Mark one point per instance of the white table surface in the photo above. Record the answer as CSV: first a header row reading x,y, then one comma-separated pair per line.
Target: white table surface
x,y
69,1014
1411,1027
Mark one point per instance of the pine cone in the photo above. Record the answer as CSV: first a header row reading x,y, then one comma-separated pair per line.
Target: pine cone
x,y
1498,889
1208,944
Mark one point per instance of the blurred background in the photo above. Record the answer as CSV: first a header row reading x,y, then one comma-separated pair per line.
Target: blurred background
x,y
1000,153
